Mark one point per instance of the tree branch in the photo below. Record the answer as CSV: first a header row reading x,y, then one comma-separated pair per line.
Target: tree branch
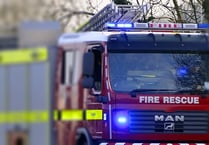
x,y
70,14
194,10
177,11
170,9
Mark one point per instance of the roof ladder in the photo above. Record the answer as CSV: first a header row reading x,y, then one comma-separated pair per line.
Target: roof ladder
x,y
113,13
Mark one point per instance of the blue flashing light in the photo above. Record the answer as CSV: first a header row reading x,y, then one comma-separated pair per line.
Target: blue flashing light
x,y
203,26
122,119
119,25
182,72
125,25
112,25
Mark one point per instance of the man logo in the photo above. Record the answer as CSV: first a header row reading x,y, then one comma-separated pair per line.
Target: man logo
x,y
168,121
170,118
169,126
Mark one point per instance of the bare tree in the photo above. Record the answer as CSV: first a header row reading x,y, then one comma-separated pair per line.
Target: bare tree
x,y
205,5
12,11
177,10
73,13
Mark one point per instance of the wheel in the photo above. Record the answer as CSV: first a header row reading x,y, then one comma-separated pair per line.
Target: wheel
x,y
82,141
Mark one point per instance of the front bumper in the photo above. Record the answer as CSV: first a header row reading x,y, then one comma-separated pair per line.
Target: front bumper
x,y
126,143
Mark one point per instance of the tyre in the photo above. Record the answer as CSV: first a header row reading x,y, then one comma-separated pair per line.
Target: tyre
x,y
82,141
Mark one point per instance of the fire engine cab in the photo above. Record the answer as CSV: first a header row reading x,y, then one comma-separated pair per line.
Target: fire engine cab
x,y
131,87
133,84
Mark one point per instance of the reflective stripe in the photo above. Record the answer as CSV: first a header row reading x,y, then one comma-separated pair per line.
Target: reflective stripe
x,y
23,56
94,115
24,117
3,117
76,115
67,115
38,116
17,117
34,116
56,115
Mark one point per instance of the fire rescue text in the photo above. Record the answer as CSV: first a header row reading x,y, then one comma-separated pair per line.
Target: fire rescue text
x,y
168,100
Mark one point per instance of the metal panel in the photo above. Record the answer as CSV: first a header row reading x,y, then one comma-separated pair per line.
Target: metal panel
x,y
40,33
2,134
18,87
17,92
39,134
2,103
39,86
39,100
52,59
2,87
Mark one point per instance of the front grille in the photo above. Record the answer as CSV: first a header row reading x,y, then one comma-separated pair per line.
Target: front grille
x,y
163,122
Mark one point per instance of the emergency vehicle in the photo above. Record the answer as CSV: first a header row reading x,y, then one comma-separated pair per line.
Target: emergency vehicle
x,y
131,83
121,83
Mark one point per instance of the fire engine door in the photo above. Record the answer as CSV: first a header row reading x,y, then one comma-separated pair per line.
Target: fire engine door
x,y
94,108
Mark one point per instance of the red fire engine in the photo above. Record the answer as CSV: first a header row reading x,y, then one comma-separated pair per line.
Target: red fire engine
x,y
135,84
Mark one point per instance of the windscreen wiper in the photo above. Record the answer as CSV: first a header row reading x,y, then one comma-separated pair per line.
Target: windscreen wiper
x,y
202,92
134,92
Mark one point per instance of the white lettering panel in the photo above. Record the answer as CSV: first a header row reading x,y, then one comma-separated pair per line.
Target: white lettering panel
x,y
168,100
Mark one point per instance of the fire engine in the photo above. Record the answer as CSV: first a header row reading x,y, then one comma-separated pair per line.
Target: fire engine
x,y
128,83
123,82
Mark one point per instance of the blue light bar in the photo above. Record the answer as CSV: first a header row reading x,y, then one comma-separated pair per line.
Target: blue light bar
x,y
119,25
203,26
111,25
125,25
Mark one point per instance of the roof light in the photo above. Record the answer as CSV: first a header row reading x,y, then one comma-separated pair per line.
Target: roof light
x,y
203,26
112,25
141,25
125,25
165,25
119,25
190,26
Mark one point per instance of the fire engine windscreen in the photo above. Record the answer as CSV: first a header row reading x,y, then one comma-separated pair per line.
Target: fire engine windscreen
x,y
171,71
